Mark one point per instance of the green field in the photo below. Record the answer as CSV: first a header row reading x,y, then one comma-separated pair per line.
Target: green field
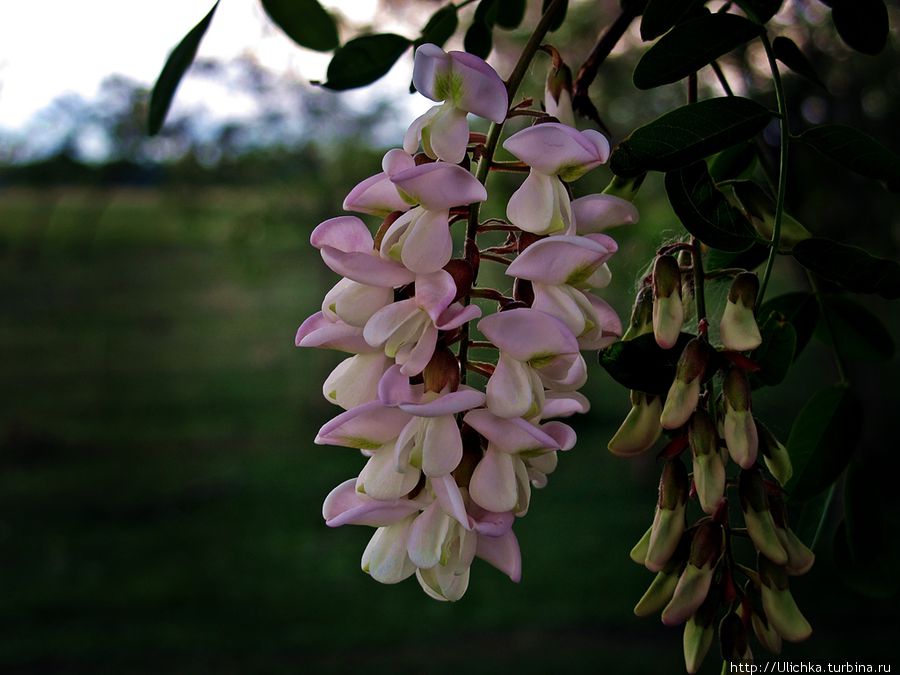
x,y
160,492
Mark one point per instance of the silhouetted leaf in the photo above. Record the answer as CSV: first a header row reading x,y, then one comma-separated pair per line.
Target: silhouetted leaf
x,y
776,353
787,51
660,15
856,150
478,40
643,365
690,46
733,162
560,15
510,13
760,206
705,212
862,24
364,59
760,10
857,332
823,439
749,259
688,134
440,27
801,309
305,22
849,266
173,70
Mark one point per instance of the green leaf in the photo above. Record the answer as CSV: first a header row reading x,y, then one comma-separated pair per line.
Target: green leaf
x,y
801,309
760,10
822,440
660,15
510,13
486,12
440,27
856,151
733,162
364,59
173,70
849,266
643,365
690,46
862,24
688,134
305,22
787,51
478,40
760,206
753,257
560,15
857,332
776,353
705,212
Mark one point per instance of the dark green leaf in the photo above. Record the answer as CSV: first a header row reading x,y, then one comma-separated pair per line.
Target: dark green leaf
x,y
823,440
801,309
690,46
760,10
173,70
478,40
849,266
440,27
510,13
660,15
776,353
486,12
862,24
857,332
688,134
364,59
643,365
705,212
873,576
760,206
560,15
305,22
787,51
733,162
811,513
856,150
753,257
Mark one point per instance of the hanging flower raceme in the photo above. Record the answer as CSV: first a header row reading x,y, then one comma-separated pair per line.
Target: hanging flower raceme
x,y
555,152
465,83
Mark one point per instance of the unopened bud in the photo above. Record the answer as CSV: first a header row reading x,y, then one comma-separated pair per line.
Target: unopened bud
x,y
739,428
758,517
442,371
462,274
778,603
684,394
668,521
641,315
709,470
625,188
752,611
738,328
558,94
663,585
799,556
639,552
707,547
775,455
688,299
668,312
734,639
641,428
383,228
699,632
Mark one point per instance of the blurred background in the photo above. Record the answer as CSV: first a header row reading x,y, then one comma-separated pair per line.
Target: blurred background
x,y
160,493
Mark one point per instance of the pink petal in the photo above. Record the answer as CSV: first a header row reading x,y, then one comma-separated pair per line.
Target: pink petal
x,y
452,403
595,213
490,523
503,553
448,135
366,268
415,360
509,391
447,493
387,320
563,434
493,483
442,447
532,206
427,244
509,435
559,260
456,315
380,479
527,333
554,148
564,404
483,92
376,196
345,506
318,331
435,292
438,185
368,426
427,535
414,132
430,63
396,160
345,233
394,388
566,372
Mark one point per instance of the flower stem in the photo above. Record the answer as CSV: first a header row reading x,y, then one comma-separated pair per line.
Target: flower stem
x,y
782,168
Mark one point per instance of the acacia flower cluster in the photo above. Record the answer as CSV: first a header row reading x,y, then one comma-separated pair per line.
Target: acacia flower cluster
x,y
450,466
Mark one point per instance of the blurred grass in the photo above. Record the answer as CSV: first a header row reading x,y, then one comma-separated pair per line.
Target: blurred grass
x,y
160,493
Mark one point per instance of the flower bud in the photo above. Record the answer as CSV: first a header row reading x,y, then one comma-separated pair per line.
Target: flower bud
x,y
641,427
775,455
758,517
558,94
663,585
734,639
752,611
709,470
799,557
699,632
739,429
688,301
668,312
781,609
639,552
707,547
684,394
462,273
668,521
738,328
641,315
442,371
